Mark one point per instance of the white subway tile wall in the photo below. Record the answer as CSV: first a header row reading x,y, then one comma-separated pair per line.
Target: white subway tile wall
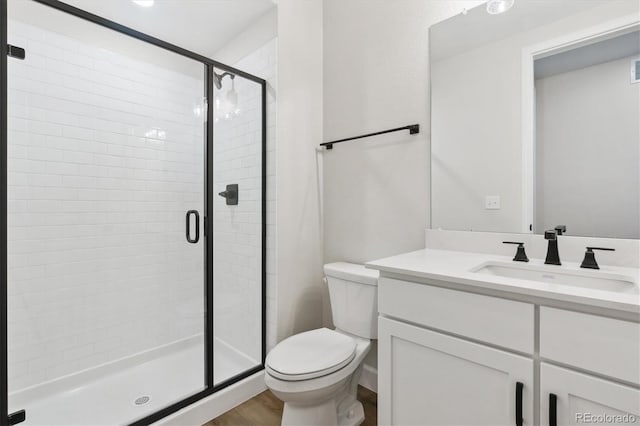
x,y
237,254
105,158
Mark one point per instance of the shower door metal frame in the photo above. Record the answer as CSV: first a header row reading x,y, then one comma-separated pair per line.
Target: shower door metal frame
x,y
210,65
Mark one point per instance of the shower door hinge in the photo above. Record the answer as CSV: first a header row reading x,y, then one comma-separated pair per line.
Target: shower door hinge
x,y
17,417
16,52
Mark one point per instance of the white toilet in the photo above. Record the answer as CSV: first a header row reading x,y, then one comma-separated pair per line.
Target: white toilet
x,y
316,373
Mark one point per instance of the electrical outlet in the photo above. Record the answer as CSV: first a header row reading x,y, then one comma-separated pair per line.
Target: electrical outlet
x,y
492,202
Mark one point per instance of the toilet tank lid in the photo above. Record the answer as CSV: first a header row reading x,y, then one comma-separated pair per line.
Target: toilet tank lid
x,y
351,272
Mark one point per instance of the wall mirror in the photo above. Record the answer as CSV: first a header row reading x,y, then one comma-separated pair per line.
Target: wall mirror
x,y
536,119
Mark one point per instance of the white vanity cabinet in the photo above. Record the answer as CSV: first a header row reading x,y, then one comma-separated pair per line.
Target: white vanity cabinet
x,y
573,398
428,378
451,357
604,346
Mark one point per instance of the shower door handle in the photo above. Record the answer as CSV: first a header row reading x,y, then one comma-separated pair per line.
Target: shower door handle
x,y
188,231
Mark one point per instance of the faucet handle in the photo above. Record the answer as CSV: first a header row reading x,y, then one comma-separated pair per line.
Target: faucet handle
x,y
589,261
551,235
560,229
521,255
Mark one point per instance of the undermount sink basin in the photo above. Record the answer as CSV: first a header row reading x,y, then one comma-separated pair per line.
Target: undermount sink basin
x,y
596,280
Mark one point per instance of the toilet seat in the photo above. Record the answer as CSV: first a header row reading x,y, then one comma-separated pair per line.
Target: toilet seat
x,y
311,354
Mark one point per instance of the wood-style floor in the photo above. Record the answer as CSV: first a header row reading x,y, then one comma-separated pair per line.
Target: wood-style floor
x,y
266,410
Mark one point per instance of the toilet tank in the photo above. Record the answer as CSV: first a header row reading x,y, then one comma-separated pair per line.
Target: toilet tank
x,y
353,291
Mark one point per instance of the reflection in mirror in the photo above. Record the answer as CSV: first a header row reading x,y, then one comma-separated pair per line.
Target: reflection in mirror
x,y
586,139
536,119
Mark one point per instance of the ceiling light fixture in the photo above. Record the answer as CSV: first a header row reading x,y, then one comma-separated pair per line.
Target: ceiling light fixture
x,y
144,3
496,7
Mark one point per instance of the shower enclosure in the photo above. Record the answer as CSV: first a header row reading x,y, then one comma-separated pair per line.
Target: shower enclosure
x,y
132,210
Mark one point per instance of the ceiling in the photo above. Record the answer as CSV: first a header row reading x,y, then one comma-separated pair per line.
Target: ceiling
x,y
466,32
607,50
203,26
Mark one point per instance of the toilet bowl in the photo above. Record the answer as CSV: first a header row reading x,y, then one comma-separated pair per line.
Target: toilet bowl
x,y
316,373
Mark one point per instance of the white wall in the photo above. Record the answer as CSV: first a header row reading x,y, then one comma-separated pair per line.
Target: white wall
x,y
376,76
588,151
477,130
299,130
376,191
105,158
476,153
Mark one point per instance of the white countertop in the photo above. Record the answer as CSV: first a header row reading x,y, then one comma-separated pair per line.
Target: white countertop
x,y
456,267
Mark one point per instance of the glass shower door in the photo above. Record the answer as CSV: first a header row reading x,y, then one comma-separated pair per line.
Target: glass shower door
x,y
238,223
106,282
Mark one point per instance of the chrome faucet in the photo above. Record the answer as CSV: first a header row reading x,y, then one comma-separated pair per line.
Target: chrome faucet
x,y
553,256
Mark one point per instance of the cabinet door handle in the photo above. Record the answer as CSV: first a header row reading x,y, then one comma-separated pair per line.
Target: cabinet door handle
x,y
553,409
519,419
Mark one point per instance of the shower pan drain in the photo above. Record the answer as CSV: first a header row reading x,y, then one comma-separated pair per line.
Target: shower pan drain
x,y
142,400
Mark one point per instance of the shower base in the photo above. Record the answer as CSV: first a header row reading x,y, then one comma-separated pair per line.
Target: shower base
x,y
127,390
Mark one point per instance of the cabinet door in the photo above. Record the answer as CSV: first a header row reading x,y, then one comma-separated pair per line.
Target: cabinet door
x,y
583,399
427,378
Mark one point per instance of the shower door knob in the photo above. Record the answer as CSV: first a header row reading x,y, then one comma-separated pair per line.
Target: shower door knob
x,y
231,194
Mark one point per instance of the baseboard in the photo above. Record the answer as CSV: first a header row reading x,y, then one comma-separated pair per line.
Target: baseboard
x,y
369,378
219,403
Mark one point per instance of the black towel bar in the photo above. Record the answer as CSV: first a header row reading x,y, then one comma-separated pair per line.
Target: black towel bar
x,y
413,129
